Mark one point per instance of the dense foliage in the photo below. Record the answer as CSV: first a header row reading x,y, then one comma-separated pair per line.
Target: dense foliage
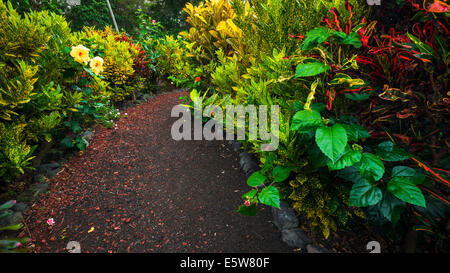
x,y
364,107
54,82
363,94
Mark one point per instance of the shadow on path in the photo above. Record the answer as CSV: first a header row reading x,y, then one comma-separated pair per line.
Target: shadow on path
x,y
137,190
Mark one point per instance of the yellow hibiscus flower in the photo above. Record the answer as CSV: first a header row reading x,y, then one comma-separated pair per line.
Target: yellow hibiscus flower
x,y
96,65
80,54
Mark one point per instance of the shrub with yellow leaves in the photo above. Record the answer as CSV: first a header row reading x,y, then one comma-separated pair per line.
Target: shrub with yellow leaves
x,y
178,58
21,37
213,28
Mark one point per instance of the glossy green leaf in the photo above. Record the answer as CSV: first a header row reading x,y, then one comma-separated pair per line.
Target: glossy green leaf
x,y
344,79
415,176
404,189
306,120
316,106
350,173
331,140
310,69
81,145
256,179
423,47
364,194
270,196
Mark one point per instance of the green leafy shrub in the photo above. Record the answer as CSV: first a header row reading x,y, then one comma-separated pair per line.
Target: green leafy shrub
x,y
52,61
21,37
47,92
178,60
348,96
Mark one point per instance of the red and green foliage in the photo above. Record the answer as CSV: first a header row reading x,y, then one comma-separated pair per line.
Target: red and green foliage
x,y
369,103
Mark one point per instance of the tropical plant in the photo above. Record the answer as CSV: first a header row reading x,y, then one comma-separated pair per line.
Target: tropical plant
x,y
10,245
340,86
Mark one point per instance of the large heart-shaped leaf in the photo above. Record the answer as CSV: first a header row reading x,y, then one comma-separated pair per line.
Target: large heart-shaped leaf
x,y
306,120
270,196
404,189
409,173
256,179
331,140
364,194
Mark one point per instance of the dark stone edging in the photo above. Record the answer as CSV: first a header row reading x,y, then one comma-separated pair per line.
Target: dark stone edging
x,y
285,218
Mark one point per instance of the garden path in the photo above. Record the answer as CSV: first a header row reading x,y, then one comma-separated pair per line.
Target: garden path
x,y
135,189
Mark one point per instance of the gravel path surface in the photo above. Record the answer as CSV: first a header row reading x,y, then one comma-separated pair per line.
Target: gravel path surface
x,y
137,190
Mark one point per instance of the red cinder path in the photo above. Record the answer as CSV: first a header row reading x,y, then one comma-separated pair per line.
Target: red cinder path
x,y
137,190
